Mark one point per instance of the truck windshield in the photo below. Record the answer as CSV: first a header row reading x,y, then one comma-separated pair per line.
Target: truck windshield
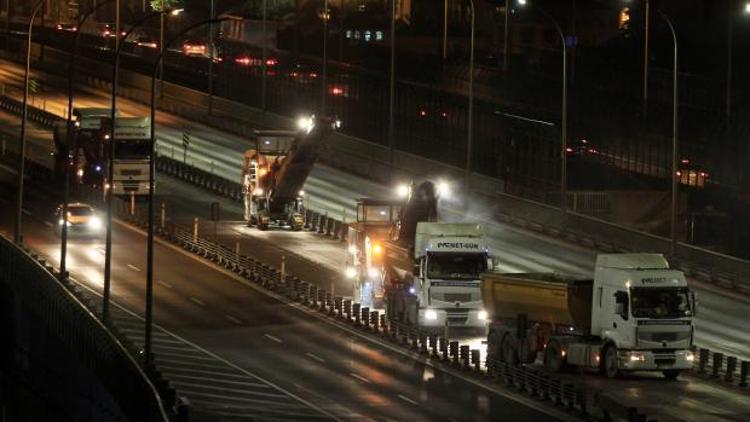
x,y
655,302
449,266
131,149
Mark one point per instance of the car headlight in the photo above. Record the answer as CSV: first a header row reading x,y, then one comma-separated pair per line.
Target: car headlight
x,y
482,316
430,315
95,223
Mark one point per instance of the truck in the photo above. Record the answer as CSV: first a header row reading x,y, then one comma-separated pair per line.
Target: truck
x,y
424,272
636,314
274,172
132,160
85,148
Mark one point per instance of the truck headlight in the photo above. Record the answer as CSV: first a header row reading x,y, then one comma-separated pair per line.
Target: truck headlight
x,y
352,249
95,223
430,315
637,357
482,315
351,272
689,356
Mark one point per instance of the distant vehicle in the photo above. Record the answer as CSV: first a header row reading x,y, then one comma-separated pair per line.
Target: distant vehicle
x,y
82,218
252,61
132,156
70,27
580,147
691,174
303,73
107,30
147,42
194,48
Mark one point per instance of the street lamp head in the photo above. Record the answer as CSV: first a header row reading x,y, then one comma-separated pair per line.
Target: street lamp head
x,y
747,8
522,2
175,12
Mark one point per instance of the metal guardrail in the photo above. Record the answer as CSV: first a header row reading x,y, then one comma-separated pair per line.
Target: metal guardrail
x,y
81,332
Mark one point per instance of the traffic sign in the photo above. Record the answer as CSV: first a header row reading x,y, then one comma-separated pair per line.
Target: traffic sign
x,y
185,139
33,86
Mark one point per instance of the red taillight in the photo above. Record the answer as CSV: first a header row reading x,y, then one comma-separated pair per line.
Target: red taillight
x,y
337,91
271,62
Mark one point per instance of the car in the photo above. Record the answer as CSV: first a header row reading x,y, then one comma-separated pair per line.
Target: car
x,y
82,218
107,30
147,42
69,27
194,48
303,73
581,147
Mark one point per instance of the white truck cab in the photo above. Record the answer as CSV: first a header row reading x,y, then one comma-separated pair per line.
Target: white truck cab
x,y
643,312
451,258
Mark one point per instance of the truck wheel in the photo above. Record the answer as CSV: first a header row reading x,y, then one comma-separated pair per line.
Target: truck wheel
x,y
553,360
671,374
609,366
508,350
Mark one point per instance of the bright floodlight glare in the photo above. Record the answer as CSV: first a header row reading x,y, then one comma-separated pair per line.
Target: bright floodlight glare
x,y
430,315
306,123
402,191
444,189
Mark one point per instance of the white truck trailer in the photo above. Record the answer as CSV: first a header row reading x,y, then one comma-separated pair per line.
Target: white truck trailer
x,y
635,315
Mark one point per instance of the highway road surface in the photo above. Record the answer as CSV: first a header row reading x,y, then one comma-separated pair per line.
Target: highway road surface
x,y
235,351
722,316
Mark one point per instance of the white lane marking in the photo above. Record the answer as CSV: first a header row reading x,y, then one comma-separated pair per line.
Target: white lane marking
x,y
178,377
406,399
276,339
48,224
316,357
359,377
234,319
164,283
133,267
197,301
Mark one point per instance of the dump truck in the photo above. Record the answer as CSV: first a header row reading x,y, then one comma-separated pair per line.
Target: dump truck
x,y
636,314
424,272
274,172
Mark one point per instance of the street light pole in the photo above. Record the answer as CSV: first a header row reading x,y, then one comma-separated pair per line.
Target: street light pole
x,y
506,36
392,91
325,59
211,52
22,145
470,122
675,105
564,111
445,28
66,183
147,348
110,173
646,38
263,67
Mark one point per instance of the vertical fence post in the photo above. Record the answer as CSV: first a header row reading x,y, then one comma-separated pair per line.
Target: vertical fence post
x,y
237,249
283,267
162,215
132,202
195,229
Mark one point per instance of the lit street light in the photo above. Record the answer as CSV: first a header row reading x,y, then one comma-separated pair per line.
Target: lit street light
x,y
564,111
22,144
112,141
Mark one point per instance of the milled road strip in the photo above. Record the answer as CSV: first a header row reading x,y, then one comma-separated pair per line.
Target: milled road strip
x,y
533,404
